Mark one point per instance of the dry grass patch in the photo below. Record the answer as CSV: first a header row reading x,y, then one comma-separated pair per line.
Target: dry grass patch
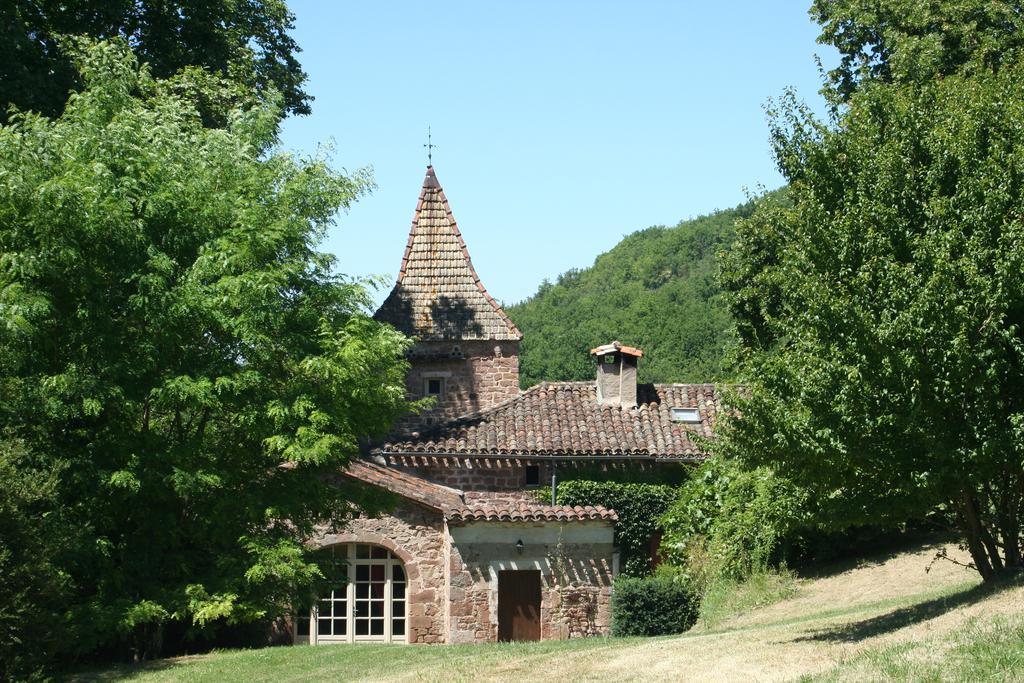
x,y
889,577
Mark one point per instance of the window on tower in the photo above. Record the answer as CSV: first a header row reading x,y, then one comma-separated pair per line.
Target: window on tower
x,y
433,386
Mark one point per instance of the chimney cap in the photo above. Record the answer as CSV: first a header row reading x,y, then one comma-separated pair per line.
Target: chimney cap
x,y
616,346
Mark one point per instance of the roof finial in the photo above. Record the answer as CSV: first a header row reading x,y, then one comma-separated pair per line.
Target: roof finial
x,y
430,148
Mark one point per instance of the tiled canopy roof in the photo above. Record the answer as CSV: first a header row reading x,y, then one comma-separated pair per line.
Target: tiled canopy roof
x,y
565,419
521,511
450,501
438,295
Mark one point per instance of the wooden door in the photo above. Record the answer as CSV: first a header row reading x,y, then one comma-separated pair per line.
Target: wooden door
x,y
519,605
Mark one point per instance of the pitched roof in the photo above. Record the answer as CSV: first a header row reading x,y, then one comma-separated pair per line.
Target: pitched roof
x,y
565,419
406,485
438,295
450,502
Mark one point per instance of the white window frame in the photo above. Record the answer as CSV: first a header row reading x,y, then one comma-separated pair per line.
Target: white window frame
x,y
684,414
348,555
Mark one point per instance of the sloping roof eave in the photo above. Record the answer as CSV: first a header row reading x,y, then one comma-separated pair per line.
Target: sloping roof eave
x,y
452,505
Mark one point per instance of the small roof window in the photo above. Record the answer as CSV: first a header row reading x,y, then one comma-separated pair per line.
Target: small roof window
x,y
688,415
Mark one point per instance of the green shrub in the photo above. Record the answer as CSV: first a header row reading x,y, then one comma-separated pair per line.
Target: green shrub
x,y
653,605
731,522
639,506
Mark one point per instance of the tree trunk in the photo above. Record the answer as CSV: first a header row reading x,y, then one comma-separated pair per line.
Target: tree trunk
x,y
989,541
974,532
1011,529
1011,545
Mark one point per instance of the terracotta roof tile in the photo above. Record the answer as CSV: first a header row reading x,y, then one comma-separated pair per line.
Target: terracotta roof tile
x,y
565,419
526,512
438,295
404,484
451,503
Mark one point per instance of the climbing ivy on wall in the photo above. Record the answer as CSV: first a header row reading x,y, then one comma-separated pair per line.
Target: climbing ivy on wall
x,y
639,507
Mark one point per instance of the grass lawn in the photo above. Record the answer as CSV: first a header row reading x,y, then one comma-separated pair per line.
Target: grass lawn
x,y
360,662
980,650
883,619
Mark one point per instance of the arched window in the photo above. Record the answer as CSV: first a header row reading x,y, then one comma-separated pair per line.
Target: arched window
x,y
366,605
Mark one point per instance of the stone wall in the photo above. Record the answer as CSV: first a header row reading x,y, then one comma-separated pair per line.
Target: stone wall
x,y
508,474
477,375
417,536
453,571
575,562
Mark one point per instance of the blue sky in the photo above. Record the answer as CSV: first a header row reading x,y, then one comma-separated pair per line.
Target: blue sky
x,y
560,126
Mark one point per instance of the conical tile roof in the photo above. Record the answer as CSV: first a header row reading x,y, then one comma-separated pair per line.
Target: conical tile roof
x,y
438,295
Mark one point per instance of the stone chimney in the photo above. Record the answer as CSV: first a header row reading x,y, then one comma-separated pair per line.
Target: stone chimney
x,y
616,374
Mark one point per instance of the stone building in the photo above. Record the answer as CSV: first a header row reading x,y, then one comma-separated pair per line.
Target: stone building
x,y
470,554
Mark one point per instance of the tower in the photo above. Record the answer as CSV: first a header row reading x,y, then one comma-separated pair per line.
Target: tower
x,y
466,353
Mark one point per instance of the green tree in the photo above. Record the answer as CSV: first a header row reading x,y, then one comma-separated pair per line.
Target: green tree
x,y
34,589
910,41
244,41
880,315
657,289
179,355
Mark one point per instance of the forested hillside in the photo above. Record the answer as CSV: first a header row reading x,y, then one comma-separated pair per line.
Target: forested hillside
x,y
656,289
